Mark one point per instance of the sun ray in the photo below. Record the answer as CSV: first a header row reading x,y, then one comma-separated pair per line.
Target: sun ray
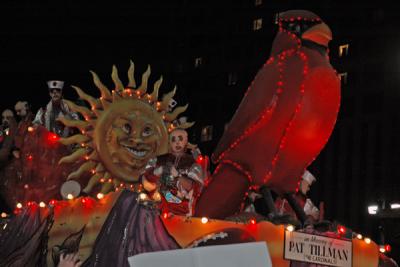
x,y
100,168
78,154
82,110
105,103
117,82
92,182
75,139
131,75
85,167
157,85
105,93
145,78
167,99
106,188
94,103
186,125
97,112
173,115
81,125
94,156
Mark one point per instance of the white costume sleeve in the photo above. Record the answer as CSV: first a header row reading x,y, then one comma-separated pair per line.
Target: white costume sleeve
x,y
311,210
196,173
39,117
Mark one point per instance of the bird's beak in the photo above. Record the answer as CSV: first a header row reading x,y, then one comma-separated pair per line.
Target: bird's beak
x,y
320,34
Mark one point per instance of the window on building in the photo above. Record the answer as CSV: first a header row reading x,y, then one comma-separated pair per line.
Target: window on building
x,y
198,61
343,78
206,133
257,2
257,24
343,50
232,78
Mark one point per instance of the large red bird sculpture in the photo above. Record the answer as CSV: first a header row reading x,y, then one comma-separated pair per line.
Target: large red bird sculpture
x,y
283,121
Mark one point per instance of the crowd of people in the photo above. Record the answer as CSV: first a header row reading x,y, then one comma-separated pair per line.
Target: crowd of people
x,y
28,169
48,116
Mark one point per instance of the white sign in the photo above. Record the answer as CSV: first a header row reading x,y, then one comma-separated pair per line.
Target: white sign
x,y
253,254
318,249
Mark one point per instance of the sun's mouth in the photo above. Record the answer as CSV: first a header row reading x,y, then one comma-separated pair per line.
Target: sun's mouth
x,y
137,152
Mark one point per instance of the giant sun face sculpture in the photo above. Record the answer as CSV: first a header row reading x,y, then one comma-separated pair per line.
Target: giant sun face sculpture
x,y
122,131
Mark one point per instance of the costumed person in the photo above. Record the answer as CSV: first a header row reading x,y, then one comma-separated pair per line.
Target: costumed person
x,y
55,109
23,110
7,135
283,121
177,174
311,211
6,117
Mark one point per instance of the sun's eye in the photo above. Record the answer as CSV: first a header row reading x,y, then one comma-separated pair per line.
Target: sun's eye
x,y
147,131
127,128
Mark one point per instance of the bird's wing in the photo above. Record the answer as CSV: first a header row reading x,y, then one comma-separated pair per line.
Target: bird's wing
x,y
259,97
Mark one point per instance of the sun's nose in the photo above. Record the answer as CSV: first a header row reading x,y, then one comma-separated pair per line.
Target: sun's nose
x,y
134,140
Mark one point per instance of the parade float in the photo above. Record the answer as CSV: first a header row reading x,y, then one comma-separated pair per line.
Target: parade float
x,y
131,205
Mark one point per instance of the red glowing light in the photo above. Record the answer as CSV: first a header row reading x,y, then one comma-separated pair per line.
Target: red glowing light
x,y
253,221
52,138
388,248
341,229
29,157
165,215
52,202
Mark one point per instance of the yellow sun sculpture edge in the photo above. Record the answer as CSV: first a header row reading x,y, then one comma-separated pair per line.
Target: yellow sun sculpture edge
x,y
88,151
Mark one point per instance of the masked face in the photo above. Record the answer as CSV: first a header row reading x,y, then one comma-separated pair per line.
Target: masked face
x,y
127,134
178,141
55,95
6,117
21,109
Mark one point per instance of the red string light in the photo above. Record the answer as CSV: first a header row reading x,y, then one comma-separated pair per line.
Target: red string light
x,y
341,229
267,112
240,168
52,138
282,143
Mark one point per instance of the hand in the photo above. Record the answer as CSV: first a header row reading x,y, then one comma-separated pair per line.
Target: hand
x,y
174,172
69,260
158,171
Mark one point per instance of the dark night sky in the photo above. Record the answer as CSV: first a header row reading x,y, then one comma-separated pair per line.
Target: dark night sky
x,y
42,40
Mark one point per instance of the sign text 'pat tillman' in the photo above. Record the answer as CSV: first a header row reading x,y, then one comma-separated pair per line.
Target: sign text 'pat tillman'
x,y
318,249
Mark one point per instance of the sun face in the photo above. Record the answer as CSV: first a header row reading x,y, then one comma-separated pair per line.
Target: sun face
x,y
122,131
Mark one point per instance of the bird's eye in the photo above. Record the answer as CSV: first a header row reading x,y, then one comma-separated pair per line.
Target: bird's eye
x,y
147,131
127,128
